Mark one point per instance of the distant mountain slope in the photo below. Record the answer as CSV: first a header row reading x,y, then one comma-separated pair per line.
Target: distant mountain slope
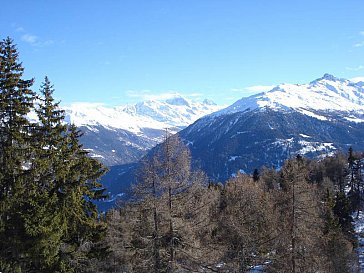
x,y
312,119
242,142
123,134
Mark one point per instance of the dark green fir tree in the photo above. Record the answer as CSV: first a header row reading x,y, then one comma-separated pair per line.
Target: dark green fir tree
x,y
42,217
67,184
16,101
78,189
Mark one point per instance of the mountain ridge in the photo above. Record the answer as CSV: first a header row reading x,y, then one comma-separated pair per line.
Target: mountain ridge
x,y
327,93
176,111
123,134
314,119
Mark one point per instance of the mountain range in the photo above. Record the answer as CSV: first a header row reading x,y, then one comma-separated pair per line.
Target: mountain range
x,y
123,134
314,119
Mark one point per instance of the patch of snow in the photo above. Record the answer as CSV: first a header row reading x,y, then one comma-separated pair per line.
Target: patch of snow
x,y
233,157
305,136
26,167
220,265
308,147
128,143
354,119
93,129
281,142
359,230
96,156
114,197
256,269
309,113
239,133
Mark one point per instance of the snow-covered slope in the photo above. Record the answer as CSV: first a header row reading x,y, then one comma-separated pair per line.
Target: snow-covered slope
x,y
324,94
174,113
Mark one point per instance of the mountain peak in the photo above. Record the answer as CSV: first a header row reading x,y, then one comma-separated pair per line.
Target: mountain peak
x,y
209,102
328,77
178,100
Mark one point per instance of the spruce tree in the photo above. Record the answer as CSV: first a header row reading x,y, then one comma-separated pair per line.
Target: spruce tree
x,y
67,184
43,223
48,221
78,188
16,101
62,221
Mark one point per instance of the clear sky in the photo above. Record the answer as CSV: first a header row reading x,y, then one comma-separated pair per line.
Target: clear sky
x,y
123,51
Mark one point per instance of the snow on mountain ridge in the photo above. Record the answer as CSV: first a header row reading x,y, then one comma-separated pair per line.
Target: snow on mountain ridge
x,y
327,93
173,112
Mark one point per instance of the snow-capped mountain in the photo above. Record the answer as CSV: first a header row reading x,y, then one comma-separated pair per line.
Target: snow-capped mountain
x,y
176,112
313,119
324,94
122,134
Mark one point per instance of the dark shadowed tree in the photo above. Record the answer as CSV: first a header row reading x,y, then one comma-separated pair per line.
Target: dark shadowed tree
x,y
16,101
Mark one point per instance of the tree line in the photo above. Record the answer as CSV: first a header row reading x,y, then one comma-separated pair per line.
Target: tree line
x,y
295,219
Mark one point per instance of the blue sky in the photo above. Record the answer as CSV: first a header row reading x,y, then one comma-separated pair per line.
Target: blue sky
x,y
118,52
